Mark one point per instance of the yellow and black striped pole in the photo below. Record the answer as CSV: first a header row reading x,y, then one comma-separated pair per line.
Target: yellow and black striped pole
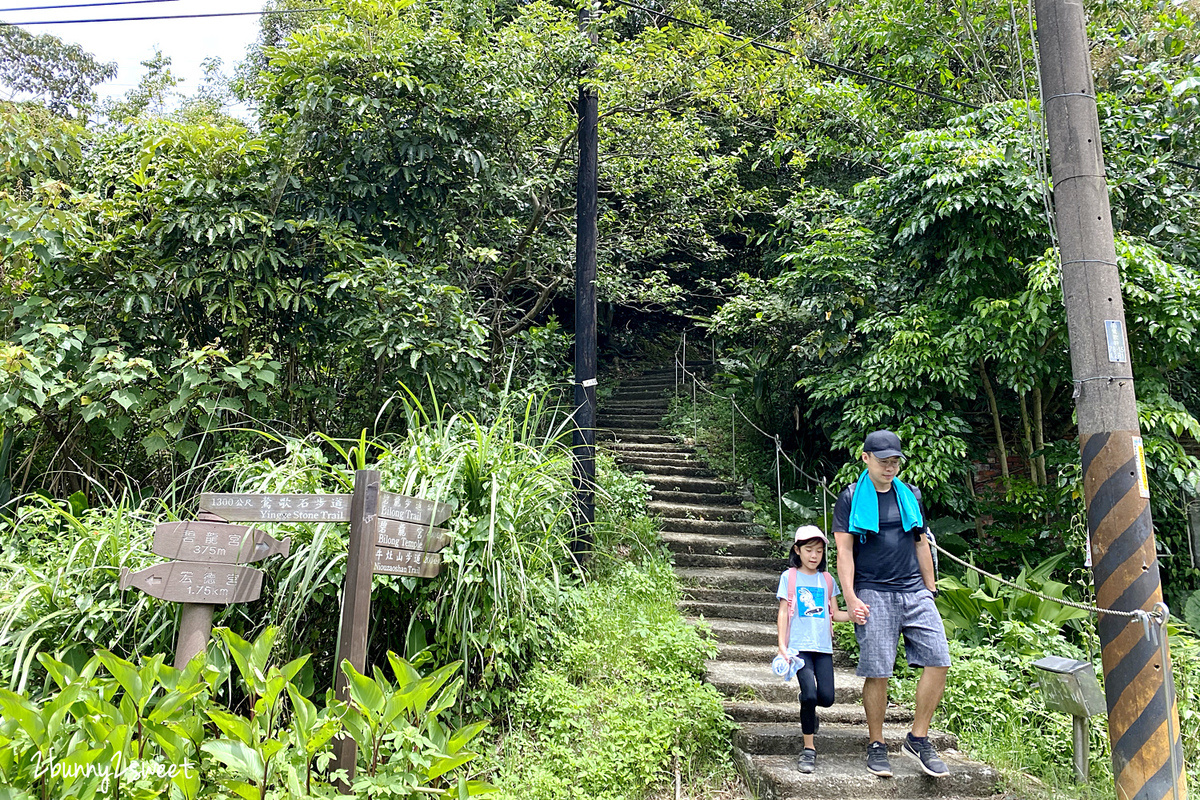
x,y
1143,723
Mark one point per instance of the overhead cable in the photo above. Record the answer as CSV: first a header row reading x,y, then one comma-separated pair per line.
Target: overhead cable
x,y
173,16
85,5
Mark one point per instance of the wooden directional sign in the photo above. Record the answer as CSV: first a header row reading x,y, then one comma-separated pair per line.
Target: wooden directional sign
x,y
409,536
412,509
189,582
216,542
278,507
393,561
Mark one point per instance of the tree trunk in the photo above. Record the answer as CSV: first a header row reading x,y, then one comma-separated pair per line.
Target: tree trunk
x,y
1039,440
991,396
1027,437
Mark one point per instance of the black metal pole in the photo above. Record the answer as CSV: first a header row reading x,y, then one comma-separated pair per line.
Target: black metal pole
x,y
584,440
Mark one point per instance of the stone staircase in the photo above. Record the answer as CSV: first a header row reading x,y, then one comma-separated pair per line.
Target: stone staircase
x,y
729,571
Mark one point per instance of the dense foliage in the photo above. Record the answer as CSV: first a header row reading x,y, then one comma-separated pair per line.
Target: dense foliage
x,y
859,216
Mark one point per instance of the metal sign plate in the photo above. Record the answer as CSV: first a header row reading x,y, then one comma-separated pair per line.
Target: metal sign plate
x,y
190,582
278,507
412,509
410,536
393,561
215,542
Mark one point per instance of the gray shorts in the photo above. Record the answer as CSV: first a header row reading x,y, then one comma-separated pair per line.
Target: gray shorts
x,y
893,613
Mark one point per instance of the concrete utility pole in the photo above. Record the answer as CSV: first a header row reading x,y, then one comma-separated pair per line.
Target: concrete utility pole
x,y
1143,722
584,439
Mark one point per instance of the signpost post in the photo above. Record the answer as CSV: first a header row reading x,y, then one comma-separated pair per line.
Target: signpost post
x,y
390,534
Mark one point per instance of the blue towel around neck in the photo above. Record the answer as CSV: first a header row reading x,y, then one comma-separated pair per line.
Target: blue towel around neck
x,y
864,507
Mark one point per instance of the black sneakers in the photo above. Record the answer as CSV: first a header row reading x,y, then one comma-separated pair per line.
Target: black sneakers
x,y
924,754
877,760
808,761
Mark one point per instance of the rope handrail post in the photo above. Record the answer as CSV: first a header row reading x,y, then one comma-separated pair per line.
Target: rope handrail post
x,y
733,430
779,485
824,503
695,415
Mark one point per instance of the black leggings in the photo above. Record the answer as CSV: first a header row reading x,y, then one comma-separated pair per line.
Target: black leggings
x,y
816,688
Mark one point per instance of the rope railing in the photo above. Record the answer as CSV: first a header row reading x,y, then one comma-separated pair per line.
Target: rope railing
x,y
1153,622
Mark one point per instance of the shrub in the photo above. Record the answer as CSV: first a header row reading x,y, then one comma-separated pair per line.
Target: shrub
x,y
622,705
115,728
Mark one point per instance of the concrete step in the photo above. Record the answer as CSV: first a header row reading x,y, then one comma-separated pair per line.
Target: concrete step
x,y
703,511
716,527
763,653
832,738
680,542
699,498
673,447
837,714
740,631
758,612
636,437
718,596
660,463
628,422
766,580
650,406
776,565
647,393
846,776
654,384
682,483
745,680
693,469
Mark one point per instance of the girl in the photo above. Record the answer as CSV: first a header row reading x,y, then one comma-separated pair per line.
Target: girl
x,y
807,609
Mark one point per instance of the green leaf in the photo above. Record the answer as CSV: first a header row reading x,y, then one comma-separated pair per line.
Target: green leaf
x,y
239,757
363,690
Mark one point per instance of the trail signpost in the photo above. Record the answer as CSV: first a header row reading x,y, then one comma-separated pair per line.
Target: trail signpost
x,y
390,534
206,572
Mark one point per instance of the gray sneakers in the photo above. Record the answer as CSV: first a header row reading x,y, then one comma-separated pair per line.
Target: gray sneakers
x,y
924,754
877,760
808,761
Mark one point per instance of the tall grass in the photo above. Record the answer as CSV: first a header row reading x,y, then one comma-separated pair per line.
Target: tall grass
x,y
506,573
59,588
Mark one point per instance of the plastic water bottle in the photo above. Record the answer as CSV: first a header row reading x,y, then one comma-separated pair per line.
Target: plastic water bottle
x,y
780,665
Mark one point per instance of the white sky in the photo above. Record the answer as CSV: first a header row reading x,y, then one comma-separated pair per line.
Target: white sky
x,y
186,41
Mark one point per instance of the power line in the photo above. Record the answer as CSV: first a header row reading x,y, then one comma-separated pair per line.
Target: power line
x,y
756,39
85,5
819,62
176,16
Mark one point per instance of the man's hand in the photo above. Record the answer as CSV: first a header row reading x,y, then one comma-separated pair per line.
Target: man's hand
x,y
859,611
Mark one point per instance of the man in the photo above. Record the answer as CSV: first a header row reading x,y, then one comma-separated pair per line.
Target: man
x,y
885,567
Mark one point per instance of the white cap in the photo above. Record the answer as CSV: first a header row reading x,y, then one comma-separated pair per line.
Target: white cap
x,y
806,532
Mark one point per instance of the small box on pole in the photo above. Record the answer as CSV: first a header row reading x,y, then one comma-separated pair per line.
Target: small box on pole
x,y
1070,686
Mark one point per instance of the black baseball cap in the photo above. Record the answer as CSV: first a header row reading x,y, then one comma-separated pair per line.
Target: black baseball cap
x,y
883,444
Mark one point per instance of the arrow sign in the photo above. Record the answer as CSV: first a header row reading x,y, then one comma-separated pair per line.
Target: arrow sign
x,y
412,509
278,507
409,536
392,561
216,542
190,582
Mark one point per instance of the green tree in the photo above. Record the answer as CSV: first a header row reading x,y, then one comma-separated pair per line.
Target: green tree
x,y
61,75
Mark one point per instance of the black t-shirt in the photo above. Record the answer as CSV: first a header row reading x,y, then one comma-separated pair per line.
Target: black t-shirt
x,y
884,561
